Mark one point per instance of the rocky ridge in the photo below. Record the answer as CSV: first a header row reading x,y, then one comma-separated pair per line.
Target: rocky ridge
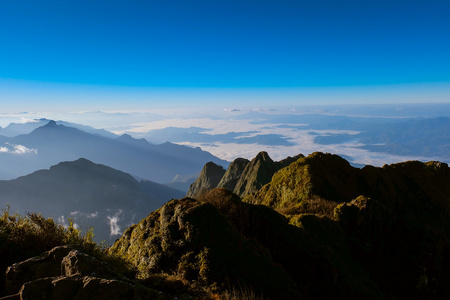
x,y
243,177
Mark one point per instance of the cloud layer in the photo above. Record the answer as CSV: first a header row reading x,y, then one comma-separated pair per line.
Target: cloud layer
x,y
17,149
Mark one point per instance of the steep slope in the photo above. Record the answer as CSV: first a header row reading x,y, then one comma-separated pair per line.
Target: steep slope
x,y
233,173
256,174
53,143
207,180
89,194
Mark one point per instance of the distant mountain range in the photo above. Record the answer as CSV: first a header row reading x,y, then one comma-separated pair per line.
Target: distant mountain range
x,y
89,194
52,143
15,129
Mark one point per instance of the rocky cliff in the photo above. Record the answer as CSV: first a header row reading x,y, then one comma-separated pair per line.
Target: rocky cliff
x,y
243,177
208,179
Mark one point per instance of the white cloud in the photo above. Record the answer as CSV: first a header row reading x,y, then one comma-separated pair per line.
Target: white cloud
x,y
304,144
27,120
17,149
86,215
92,215
302,140
62,221
113,223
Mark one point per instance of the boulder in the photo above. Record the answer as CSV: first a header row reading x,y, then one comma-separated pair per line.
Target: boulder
x,y
65,273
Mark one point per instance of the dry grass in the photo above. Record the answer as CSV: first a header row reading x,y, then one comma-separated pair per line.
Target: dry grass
x,y
240,294
316,206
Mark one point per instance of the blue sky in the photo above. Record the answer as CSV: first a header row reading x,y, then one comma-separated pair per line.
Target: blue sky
x,y
102,54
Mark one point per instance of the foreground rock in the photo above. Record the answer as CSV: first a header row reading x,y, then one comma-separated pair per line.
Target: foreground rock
x,y
66,273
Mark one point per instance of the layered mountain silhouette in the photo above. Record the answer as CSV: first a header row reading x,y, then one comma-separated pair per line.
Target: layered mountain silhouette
x,y
243,177
90,194
50,144
15,129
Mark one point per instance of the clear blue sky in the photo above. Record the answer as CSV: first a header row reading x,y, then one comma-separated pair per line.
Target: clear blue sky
x,y
52,50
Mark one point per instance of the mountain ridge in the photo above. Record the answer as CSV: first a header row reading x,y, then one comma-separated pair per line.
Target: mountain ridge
x,y
52,143
243,177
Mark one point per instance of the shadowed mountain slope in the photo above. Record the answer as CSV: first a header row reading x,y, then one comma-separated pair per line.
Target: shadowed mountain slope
x,y
394,217
220,241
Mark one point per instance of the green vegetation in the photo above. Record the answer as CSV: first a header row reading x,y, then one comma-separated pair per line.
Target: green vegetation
x,y
25,237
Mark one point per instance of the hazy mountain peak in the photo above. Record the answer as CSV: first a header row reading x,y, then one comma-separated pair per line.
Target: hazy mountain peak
x,y
125,136
52,123
128,139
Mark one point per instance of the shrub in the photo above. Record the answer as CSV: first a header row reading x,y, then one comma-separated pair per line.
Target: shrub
x,y
22,237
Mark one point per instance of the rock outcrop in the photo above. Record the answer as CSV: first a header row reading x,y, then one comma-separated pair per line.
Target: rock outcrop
x,y
256,174
196,241
208,179
233,173
67,273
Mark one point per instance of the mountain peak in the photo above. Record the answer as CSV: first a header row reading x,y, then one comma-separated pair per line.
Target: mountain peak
x,y
208,179
128,139
125,136
263,156
51,123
